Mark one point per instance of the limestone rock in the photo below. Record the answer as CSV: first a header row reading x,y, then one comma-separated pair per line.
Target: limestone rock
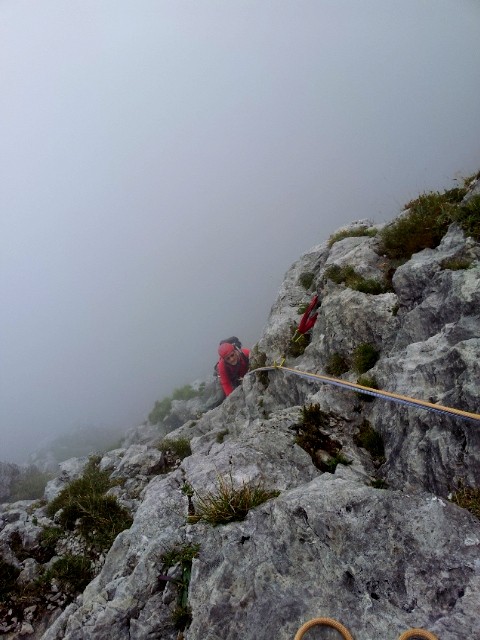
x,y
330,544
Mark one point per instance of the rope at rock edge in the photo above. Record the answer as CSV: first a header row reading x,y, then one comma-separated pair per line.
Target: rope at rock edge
x,y
376,393
346,635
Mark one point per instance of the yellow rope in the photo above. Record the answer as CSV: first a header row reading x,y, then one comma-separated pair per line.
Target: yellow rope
x,y
375,392
417,633
327,622
346,635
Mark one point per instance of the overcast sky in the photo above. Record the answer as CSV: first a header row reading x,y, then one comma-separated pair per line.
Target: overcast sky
x,y
162,164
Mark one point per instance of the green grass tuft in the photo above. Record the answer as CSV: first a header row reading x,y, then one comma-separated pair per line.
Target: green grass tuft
x,y
306,279
370,440
229,502
468,498
72,573
426,222
364,357
352,233
456,264
337,365
296,348
100,517
353,280
179,448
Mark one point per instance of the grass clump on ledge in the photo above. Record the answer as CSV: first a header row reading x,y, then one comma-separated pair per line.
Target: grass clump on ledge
x,y
183,556
364,357
72,573
353,280
426,221
352,233
228,502
456,264
468,498
296,348
178,448
82,504
306,279
370,440
337,365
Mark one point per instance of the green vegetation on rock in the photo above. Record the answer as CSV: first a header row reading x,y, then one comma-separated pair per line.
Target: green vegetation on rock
x,y
352,233
426,221
229,502
364,357
83,504
353,280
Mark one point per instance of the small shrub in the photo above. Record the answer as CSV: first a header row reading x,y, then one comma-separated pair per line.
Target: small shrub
x,y
306,279
29,484
48,541
229,502
468,498
160,410
467,216
370,440
340,274
72,573
179,447
100,517
354,280
179,554
352,233
296,348
364,357
456,264
337,365
330,465
425,224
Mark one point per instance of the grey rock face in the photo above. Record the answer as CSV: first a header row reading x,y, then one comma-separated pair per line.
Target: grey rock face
x,y
379,560
69,470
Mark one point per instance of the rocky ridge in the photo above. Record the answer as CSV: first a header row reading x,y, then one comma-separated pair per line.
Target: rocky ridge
x,y
374,542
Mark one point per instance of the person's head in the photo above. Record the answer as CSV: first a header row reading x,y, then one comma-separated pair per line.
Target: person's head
x,y
229,353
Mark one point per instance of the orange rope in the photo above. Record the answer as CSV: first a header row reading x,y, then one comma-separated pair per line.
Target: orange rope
x,y
346,635
417,633
327,622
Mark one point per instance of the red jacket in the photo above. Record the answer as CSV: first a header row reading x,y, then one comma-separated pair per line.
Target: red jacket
x,y
231,375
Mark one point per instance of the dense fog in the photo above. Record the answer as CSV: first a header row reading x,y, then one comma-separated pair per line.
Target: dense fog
x,y
163,164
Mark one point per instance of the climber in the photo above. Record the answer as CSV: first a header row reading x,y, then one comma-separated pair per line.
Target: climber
x,y
232,366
